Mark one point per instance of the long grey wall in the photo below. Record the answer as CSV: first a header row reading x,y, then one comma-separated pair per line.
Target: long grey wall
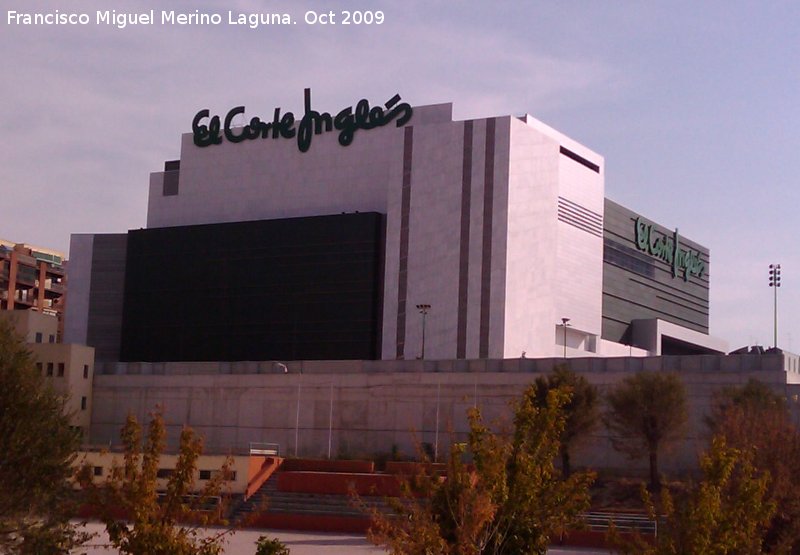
x,y
365,408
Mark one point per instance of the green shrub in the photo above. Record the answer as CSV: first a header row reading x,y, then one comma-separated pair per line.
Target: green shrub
x,y
271,546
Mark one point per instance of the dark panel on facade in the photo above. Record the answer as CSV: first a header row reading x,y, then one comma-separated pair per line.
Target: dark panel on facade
x,y
639,285
104,326
292,289
171,182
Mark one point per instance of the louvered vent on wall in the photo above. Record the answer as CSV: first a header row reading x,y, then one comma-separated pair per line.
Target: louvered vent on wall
x,y
577,216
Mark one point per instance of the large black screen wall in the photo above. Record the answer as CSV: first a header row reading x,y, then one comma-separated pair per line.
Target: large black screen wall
x,y
300,288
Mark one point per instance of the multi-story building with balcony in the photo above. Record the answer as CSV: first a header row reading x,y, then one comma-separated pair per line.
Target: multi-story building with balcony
x,y
32,297
32,278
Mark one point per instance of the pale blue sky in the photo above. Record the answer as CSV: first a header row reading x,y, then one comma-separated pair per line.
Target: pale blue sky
x,y
694,105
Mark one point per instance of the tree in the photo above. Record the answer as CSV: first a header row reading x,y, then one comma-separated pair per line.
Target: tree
x,y
581,411
169,525
725,513
37,448
511,499
436,515
754,397
753,417
755,394
646,412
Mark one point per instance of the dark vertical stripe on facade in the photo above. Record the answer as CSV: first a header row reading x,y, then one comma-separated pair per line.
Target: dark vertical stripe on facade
x,y
463,257
104,327
380,271
486,257
405,208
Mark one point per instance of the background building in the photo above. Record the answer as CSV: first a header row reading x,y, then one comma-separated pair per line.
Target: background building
x,y
32,278
68,368
33,298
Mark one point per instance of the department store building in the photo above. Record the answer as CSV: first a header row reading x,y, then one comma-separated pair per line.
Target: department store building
x,y
377,232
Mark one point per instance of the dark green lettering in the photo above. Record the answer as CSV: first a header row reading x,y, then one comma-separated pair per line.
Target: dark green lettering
x,y
346,122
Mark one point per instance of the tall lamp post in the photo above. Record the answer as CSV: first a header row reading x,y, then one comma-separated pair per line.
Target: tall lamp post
x,y
565,324
775,282
423,309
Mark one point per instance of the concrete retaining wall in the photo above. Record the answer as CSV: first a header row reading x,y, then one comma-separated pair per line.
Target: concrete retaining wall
x,y
366,408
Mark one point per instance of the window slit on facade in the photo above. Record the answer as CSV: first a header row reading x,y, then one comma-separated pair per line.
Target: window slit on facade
x,y
579,159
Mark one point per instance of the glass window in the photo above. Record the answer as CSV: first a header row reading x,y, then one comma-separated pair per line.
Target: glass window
x,y
60,369
83,403
85,371
38,337
208,474
49,368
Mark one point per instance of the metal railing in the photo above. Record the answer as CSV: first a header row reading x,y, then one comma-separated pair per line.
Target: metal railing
x,y
259,448
253,448
623,522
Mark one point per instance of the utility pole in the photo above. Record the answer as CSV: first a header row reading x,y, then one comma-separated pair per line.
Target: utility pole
x,y
775,282
423,309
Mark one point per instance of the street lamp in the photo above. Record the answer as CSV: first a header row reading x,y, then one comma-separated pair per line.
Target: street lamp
x,y
565,324
423,309
775,282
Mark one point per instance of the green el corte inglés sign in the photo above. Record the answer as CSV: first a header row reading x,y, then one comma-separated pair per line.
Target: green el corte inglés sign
x,y
668,249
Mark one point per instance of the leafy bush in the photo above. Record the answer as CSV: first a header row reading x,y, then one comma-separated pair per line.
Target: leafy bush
x,y
271,546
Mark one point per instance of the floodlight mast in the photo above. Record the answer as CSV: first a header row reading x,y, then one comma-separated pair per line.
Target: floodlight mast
x,y
775,282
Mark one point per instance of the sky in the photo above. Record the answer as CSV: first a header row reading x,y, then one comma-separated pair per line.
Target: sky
x,y
694,105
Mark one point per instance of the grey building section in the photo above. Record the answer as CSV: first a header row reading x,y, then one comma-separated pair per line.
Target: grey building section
x,y
104,325
640,286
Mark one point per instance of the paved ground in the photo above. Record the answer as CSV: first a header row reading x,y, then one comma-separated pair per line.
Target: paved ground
x,y
243,542
300,543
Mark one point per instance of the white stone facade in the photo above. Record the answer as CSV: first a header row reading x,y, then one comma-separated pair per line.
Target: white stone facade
x,y
472,224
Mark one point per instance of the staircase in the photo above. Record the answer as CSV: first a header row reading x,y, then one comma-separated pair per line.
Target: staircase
x,y
269,501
